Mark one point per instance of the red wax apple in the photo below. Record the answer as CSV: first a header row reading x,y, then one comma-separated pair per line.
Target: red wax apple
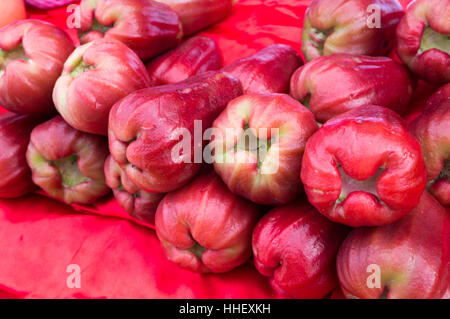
x,y
267,71
32,55
136,202
332,85
195,55
432,129
296,247
11,11
95,76
15,175
156,134
204,227
66,163
258,144
363,168
148,27
408,259
350,26
199,14
423,39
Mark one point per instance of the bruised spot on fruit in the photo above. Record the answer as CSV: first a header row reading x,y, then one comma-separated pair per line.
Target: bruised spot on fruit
x,y
434,40
197,250
70,173
350,185
80,68
8,56
136,168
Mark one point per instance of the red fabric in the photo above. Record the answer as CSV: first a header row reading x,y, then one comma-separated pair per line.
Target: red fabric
x,y
40,237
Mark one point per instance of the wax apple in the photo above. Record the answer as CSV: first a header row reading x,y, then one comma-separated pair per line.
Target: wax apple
x,y
408,259
15,175
432,129
363,168
259,140
136,202
11,11
195,55
350,26
199,14
267,71
95,76
204,227
32,55
296,247
66,163
148,27
156,134
423,39
332,85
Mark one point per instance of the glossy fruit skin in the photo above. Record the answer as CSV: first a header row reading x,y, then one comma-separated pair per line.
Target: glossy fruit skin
x,y
334,84
205,228
296,247
15,175
26,82
195,55
146,129
412,255
354,35
362,142
55,140
274,179
432,130
430,64
148,27
136,202
84,98
267,71
12,11
198,14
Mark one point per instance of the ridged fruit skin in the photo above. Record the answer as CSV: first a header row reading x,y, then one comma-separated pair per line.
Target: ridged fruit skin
x,y
27,77
55,140
267,71
432,130
204,227
364,168
350,26
429,63
151,131
109,71
411,257
334,84
148,27
296,247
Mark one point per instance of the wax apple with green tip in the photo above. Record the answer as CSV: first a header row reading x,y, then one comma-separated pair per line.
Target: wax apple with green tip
x,y
205,228
32,55
334,84
148,27
267,71
350,26
296,247
408,259
156,134
261,158
66,163
423,39
432,130
95,76
135,201
363,168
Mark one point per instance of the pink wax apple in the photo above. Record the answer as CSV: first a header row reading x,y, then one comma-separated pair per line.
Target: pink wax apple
x,y
205,228
32,55
95,76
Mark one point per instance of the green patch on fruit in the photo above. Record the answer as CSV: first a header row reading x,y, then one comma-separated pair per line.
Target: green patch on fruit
x,y
251,143
350,185
80,68
97,26
434,40
8,56
197,250
445,173
70,173
307,101
318,38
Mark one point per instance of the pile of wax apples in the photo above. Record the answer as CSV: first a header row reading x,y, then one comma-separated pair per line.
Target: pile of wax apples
x,y
300,153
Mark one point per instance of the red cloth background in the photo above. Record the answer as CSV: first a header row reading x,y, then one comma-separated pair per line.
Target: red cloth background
x,y
119,257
